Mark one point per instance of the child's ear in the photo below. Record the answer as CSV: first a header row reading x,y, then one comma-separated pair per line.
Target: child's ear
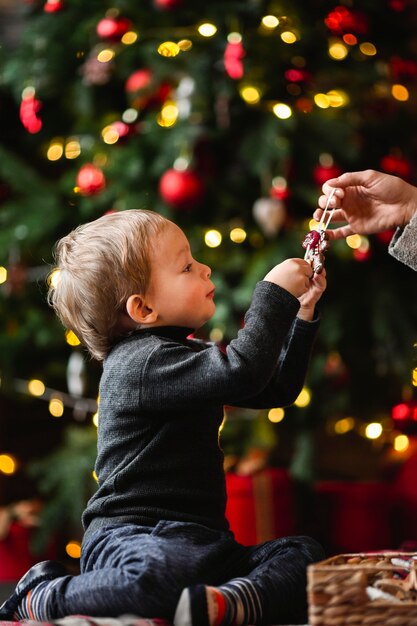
x,y
139,311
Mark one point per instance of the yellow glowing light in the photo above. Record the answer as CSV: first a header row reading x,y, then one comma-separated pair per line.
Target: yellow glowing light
x,y
400,92
169,49
7,464
414,377
344,425
104,56
364,247
94,475
312,225
130,115
55,151
338,51
28,92
53,278
373,430
288,36
185,44
321,100
73,549
207,29
36,387
110,135
169,112
304,398
337,98
95,419
276,415
249,94
216,334
234,37
71,338
401,443
238,235
282,111
72,149
368,49
354,241
213,238
270,21
3,274
129,38
56,407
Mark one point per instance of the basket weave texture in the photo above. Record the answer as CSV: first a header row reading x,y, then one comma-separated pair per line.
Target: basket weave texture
x,y
364,589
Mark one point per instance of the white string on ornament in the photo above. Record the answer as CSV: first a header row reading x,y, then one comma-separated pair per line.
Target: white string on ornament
x,y
320,225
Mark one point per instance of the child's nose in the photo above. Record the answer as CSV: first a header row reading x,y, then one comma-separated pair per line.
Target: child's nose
x,y
206,271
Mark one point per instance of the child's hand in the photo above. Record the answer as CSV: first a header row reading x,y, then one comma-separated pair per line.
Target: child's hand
x,y
310,298
293,275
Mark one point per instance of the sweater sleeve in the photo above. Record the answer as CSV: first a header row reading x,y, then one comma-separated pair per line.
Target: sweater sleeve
x,y
176,376
289,375
403,245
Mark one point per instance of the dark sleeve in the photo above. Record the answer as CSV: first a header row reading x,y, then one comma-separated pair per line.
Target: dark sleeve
x,y
176,376
290,372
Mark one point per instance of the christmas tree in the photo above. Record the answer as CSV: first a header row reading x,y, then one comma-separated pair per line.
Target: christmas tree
x,y
227,117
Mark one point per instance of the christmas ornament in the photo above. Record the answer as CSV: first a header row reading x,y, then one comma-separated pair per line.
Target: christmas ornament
x,y
53,6
29,109
342,20
321,173
316,242
168,5
270,214
145,91
232,59
181,189
113,28
90,180
396,165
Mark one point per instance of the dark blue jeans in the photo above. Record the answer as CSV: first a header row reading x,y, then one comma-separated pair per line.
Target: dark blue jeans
x,y
142,571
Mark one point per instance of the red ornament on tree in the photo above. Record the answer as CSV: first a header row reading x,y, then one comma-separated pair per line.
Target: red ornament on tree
x,y
113,28
53,6
233,56
181,189
90,180
342,20
168,5
321,173
145,91
396,165
29,109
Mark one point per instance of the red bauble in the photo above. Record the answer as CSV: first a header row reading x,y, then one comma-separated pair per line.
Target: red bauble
x,y
182,190
145,91
113,28
29,109
232,59
53,6
322,173
90,180
168,5
396,165
342,20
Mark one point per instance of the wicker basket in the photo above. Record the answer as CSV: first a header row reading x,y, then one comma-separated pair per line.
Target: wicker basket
x,y
361,589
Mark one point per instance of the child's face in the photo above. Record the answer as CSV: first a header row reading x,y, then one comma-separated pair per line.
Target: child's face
x,y
180,291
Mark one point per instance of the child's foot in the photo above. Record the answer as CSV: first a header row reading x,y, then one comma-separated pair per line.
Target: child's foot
x,y
39,573
234,603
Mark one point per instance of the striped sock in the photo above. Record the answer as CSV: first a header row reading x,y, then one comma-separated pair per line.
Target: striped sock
x,y
235,603
34,604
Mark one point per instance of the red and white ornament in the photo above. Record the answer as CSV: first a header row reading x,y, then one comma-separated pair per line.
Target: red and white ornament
x,y
181,189
90,180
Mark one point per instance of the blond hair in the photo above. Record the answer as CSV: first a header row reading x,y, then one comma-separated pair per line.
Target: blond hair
x,y
100,265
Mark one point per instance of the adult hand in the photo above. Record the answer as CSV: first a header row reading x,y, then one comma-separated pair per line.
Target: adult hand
x,y
369,202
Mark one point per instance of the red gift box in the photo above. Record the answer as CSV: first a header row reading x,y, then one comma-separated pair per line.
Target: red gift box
x,y
260,507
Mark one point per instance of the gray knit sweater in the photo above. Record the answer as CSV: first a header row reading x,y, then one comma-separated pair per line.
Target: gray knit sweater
x,y
403,245
161,405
